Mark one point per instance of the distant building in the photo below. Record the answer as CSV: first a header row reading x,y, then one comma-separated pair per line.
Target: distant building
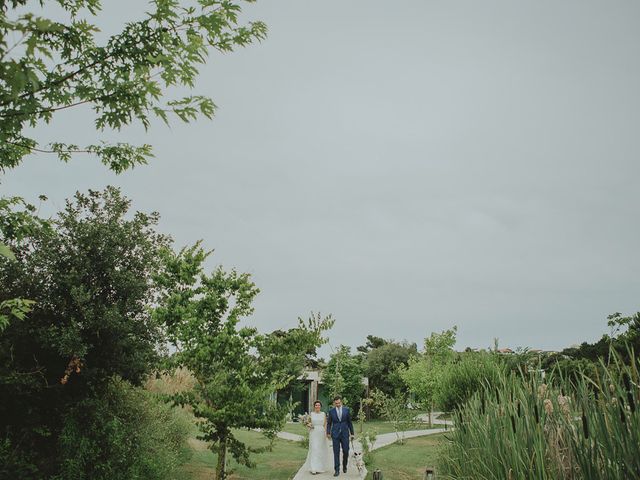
x,y
307,388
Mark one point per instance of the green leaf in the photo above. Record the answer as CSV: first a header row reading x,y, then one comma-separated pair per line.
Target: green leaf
x,y
6,252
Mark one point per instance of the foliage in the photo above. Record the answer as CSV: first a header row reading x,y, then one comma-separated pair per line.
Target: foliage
x,y
383,362
459,380
439,346
372,343
343,376
170,383
368,441
572,369
89,272
17,220
574,362
625,332
522,361
422,375
394,410
280,413
134,433
16,308
48,65
522,428
236,368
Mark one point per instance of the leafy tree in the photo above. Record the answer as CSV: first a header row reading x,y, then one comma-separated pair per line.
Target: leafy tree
x,y
48,65
17,220
90,273
372,342
382,365
422,375
394,409
235,367
343,376
439,346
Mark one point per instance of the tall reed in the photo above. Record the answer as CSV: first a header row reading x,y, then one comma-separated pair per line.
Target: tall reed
x,y
522,428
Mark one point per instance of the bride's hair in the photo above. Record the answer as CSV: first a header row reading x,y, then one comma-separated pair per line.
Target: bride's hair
x,y
317,401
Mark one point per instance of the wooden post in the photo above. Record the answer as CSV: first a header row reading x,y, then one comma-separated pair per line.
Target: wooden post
x,y
430,473
377,475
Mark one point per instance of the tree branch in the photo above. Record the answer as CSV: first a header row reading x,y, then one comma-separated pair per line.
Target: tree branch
x,y
40,150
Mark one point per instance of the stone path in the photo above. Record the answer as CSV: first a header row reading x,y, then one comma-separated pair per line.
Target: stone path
x,y
382,441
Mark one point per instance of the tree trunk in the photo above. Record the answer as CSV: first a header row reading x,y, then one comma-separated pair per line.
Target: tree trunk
x,y
430,410
221,474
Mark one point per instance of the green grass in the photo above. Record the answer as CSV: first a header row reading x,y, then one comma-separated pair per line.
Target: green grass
x,y
408,461
282,463
378,425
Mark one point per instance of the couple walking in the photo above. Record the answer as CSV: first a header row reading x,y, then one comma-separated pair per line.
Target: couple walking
x,y
337,426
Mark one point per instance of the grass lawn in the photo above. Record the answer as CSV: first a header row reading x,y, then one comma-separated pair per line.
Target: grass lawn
x,y
282,463
378,425
408,461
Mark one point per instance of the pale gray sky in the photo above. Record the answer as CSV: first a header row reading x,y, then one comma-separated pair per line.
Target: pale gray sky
x,y
406,166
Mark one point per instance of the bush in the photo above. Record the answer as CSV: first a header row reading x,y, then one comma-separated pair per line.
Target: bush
x,y
91,273
125,433
459,381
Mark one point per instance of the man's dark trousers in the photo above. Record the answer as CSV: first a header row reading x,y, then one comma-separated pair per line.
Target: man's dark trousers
x,y
341,441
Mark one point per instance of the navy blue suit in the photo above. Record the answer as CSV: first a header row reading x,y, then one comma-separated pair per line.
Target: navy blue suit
x,y
340,430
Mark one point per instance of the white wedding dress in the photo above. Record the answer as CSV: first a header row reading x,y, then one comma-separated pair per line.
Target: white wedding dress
x,y
318,459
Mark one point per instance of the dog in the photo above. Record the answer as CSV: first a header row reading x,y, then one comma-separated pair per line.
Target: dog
x,y
358,460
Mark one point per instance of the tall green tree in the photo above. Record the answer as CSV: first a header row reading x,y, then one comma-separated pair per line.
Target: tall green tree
x,y
422,375
90,273
382,364
236,368
343,376
48,65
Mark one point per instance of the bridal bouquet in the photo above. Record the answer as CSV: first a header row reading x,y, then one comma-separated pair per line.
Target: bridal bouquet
x,y
305,420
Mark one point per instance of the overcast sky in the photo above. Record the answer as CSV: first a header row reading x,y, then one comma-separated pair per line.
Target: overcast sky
x,y
406,166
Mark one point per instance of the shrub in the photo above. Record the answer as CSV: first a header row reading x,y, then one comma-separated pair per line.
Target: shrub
x,y
124,433
459,381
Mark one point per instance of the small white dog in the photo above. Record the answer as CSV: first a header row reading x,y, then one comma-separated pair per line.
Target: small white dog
x,y
359,462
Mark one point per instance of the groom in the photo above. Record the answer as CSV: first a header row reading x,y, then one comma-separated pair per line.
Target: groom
x,y
340,429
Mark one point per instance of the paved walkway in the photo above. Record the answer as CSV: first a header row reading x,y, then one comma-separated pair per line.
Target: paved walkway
x,y
381,441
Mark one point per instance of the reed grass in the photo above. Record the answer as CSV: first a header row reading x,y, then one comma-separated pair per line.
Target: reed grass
x,y
523,428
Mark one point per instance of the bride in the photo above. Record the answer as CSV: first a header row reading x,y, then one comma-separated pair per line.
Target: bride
x,y
318,457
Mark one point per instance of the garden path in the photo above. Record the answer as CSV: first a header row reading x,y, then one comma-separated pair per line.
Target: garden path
x,y
382,441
